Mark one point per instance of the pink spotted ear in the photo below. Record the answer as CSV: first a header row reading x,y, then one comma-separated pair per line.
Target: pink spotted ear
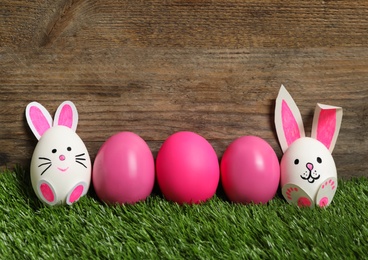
x,y
38,119
288,121
326,125
66,115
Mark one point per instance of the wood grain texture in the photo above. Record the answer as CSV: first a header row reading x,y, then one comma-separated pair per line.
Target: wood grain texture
x,y
157,67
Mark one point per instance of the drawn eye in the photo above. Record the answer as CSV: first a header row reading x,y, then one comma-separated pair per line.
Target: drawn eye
x,y
319,160
296,162
69,149
54,151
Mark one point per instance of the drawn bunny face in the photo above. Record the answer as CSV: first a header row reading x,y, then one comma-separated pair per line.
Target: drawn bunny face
x,y
308,171
60,165
307,161
60,155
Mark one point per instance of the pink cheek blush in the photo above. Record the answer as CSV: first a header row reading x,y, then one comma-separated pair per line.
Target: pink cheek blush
x,y
187,168
250,171
123,171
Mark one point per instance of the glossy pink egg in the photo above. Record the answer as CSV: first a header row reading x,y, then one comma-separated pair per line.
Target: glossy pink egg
x,y
123,171
250,170
187,168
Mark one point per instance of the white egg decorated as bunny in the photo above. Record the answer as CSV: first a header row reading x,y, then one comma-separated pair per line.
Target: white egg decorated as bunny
x,y
60,165
308,171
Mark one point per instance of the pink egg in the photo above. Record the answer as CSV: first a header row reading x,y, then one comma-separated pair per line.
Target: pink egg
x,y
250,170
187,168
123,171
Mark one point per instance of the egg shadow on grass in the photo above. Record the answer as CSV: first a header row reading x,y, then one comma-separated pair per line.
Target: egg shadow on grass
x,y
156,192
220,192
92,193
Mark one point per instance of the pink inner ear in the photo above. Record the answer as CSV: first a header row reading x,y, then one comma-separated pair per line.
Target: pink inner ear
x,y
39,121
66,116
289,124
326,126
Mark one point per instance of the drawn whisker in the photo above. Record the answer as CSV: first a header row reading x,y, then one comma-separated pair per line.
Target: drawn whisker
x,y
42,164
78,155
81,164
44,158
49,163
46,169
81,159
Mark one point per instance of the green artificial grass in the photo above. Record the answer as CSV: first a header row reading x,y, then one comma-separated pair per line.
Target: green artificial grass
x,y
158,229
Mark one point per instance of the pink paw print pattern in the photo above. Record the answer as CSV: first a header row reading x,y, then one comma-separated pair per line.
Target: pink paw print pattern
x,y
48,193
330,182
295,195
76,192
326,192
304,202
290,191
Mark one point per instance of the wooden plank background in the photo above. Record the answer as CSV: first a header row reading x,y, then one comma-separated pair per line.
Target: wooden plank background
x,y
157,67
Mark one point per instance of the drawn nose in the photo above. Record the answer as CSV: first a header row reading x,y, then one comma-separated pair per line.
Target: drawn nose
x,y
62,157
310,166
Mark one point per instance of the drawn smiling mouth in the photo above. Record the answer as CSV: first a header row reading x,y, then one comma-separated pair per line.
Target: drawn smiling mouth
x,y
310,178
63,170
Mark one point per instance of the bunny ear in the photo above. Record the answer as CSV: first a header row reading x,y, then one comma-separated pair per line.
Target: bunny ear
x,y
38,118
66,115
326,125
288,121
